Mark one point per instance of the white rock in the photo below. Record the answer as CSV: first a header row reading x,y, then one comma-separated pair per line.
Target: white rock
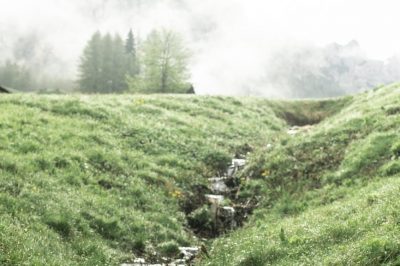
x,y
230,210
215,199
192,250
139,262
231,171
189,252
239,162
219,187
180,262
216,179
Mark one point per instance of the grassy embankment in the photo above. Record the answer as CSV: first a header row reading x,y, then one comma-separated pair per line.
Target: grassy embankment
x,y
329,196
93,180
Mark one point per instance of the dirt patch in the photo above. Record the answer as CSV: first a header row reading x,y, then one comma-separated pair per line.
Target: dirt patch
x,y
308,112
394,110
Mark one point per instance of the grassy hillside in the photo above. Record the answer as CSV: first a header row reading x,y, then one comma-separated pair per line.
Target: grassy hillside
x,y
96,180
100,180
329,195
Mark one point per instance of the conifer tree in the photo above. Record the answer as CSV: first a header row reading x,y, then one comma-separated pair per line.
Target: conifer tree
x,y
119,66
130,47
107,64
104,65
132,58
16,76
91,67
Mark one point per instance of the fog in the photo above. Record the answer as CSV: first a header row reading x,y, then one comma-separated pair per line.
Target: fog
x,y
253,47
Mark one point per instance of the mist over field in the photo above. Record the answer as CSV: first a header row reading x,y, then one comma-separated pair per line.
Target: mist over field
x,y
260,48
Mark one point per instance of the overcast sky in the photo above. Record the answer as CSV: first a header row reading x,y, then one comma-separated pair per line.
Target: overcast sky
x,y
217,30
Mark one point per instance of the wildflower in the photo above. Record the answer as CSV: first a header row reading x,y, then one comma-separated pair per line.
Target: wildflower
x,y
266,173
176,194
139,101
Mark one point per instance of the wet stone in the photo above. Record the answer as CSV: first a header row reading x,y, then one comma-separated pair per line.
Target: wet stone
x,y
191,250
140,260
217,179
229,210
230,172
189,253
214,199
219,186
180,262
239,162
137,262
236,165
228,215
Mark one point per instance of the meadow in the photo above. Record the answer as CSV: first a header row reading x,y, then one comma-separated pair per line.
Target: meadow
x,y
101,180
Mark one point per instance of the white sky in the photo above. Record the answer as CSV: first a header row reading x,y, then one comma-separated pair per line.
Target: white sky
x,y
246,29
373,23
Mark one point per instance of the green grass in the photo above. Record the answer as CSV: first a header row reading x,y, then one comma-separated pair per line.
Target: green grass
x,y
327,196
92,180
100,180
360,229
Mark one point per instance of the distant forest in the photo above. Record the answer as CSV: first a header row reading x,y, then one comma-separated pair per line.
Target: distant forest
x,y
111,65
160,64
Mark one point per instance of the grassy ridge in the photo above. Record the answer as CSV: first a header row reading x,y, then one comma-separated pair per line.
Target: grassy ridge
x,y
91,180
360,229
97,180
328,196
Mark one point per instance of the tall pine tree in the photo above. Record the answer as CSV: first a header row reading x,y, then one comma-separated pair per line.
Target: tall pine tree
x,y
130,46
107,78
132,58
16,76
105,64
91,67
119,65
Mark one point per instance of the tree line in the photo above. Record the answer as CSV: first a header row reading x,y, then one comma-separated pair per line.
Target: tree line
x,y
157,65
109,64
14,75
25,78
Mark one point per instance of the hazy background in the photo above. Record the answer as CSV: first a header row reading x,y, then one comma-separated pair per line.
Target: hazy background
x,y
284,48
